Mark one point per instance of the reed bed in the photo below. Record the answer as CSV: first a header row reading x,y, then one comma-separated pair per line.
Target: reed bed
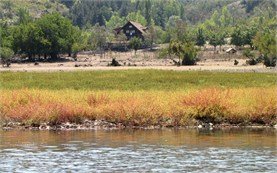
x,y
141,108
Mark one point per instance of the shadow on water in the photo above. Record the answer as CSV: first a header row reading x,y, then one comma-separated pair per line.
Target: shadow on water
x,y
171,137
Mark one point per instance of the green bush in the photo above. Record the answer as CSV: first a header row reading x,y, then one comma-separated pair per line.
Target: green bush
x,y
251,61
190,53
270,62
6,55
135,43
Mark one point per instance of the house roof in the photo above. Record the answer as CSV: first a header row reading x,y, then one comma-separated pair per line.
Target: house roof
x,y
231,50
138,26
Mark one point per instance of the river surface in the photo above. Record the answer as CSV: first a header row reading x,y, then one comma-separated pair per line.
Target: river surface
x,y
166,150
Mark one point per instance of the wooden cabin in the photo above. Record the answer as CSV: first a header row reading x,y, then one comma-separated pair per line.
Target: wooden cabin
x,y
132,29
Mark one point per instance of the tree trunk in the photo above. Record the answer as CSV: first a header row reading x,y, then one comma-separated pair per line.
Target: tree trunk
x,y
29,56
54,56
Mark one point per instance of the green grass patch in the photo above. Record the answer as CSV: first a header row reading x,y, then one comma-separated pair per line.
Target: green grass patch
x,y
133,80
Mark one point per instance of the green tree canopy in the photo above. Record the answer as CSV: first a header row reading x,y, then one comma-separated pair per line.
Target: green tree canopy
x,y
200,38
137,17
50,35
5,56
265,42
135,43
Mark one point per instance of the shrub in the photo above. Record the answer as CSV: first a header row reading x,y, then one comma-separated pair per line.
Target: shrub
x,y
135,43
270,62
6,55
209,105
251,61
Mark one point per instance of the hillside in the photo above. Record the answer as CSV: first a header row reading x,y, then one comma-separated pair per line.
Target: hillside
x,y
84,12
10,9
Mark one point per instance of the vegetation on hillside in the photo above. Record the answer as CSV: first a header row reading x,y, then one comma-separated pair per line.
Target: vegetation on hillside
x,y
89,25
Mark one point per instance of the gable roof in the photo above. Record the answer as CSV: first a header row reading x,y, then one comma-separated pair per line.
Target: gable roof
x,y
138,26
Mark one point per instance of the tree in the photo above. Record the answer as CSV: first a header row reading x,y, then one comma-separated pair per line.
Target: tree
x,y
5,56
190,53
249,35
221,39
160,17
151,35
200,38
176,48
58,33
28,39
135,43
213,40
185,51
226,17
122,39
148,12
265,42
114,22
177,29
217,39
243,35
98,38
237,37
50,35
137,17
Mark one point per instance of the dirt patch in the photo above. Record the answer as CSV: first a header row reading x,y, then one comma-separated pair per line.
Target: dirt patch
x,y
209,61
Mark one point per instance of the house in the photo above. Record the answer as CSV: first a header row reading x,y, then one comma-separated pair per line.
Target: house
x,y
231,50
132,29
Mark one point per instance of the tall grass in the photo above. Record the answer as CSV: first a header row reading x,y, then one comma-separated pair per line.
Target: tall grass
x,y
140,108
138,97
134,80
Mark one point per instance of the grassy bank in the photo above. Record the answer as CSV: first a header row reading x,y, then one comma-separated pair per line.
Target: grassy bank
x,y
133,80
139,98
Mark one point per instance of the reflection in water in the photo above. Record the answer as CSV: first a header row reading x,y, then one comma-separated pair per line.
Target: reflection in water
x,y
138,150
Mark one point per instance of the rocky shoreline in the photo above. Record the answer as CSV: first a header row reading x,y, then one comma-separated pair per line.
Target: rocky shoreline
x,y
104,125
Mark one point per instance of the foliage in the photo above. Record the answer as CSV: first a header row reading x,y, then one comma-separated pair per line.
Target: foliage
x,y
50,35
183,21
185,51
23,16
151,35
13,11
98,38
243,35
135,43
5,55
137,17
200,38
176,48
217,39
248,53
190,53
266,44
114,22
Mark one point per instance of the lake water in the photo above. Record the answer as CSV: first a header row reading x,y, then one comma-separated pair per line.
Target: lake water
x,y
166,150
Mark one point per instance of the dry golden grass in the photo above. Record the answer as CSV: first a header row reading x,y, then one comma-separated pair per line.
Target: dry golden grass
x,y
140,108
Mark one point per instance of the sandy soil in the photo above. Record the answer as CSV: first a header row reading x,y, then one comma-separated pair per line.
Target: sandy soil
x,y
143,60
